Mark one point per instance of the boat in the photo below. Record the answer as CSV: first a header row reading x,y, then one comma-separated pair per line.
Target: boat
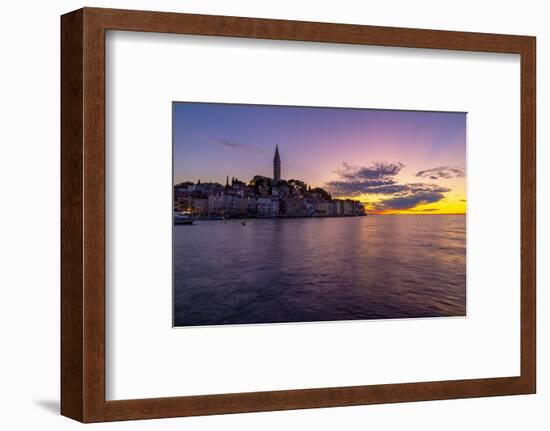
x,y
183,218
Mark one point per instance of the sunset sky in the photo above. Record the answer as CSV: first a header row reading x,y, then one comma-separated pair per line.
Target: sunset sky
x,y
394,162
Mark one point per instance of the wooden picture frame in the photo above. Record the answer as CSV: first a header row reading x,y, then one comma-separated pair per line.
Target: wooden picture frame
x,y
83,214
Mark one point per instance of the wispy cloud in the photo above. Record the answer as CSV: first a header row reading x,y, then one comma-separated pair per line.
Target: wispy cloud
x,y
441,172
229,143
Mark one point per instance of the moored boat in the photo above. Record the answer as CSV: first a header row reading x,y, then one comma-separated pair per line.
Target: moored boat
x,y
182,218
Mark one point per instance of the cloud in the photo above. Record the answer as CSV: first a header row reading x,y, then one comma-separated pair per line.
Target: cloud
x,y
379,170
380,179
355,188
409,201
441,172
413,195
357,180
228,143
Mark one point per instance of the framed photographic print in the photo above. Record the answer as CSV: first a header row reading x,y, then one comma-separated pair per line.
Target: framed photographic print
x,y
266,215
305,219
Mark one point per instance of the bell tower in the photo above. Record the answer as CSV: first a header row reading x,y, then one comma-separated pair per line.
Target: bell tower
x,y
277,165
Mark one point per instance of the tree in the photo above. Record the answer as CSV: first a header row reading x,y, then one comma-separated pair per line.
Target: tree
x,y
326,195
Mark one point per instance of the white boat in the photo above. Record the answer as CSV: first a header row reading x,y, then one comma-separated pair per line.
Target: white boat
x,y
182,218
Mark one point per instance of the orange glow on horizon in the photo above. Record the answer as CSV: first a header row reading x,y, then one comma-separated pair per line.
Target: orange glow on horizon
x,y
447,206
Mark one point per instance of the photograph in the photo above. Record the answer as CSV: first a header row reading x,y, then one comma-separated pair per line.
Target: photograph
x,y
286,214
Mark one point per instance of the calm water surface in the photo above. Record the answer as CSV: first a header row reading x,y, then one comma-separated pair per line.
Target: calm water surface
x,y
318,269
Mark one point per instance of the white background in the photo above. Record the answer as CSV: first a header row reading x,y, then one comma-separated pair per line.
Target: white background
x,y
29,228
246,358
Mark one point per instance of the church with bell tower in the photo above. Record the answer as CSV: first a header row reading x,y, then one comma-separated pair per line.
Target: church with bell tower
x,y
277,165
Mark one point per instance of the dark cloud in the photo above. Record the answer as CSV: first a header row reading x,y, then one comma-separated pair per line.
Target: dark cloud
x,y
410,201
413,195
380,179
378,171
441,172
356,180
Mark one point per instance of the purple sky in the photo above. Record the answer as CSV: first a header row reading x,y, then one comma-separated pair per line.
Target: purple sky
x,y
212,141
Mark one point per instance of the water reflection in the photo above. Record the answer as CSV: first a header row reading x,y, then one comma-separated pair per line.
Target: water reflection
x,y
319,269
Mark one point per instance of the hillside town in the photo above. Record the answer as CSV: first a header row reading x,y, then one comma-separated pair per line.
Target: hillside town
x,y
261,197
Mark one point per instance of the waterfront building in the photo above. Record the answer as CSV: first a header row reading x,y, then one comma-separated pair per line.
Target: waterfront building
x,y
235,205
216,204
268,207
348,207
261,197
323,208
183,203
294,207
337,208
200,207
252,206
309,207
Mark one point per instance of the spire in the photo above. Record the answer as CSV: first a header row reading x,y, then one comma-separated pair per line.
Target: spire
x,y
277,165
227,182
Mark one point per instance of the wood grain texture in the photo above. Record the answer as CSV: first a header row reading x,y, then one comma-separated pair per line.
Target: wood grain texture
x,y
94,216
258,28
72,304
83,214
528,216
